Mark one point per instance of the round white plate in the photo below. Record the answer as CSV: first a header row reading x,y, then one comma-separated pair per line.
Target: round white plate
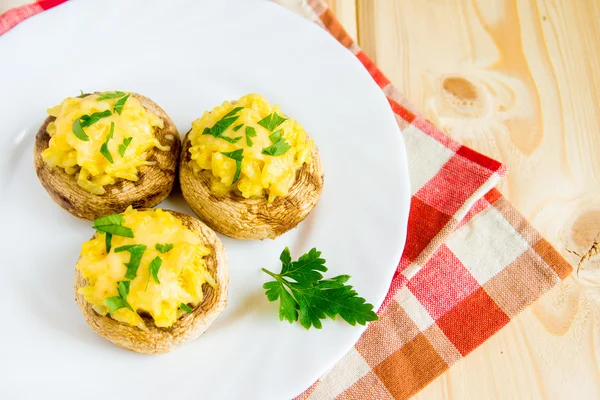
x,y
188,57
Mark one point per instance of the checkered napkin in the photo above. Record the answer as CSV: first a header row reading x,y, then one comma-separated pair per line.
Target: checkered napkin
x,y
471,261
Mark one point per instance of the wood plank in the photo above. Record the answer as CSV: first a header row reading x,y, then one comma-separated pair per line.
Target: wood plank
x,y
520,82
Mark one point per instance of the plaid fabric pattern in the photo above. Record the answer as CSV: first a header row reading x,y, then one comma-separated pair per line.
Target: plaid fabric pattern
x,y
13,16
471,261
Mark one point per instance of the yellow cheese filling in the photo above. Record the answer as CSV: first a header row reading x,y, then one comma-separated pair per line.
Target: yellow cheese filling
x,y
249,147
121,124
165,294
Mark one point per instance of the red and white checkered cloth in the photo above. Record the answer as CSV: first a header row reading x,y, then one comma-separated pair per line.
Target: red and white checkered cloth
x,y
471,261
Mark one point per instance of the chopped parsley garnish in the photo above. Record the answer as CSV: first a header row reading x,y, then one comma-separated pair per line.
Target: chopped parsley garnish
x,y
250,133
306,297
123,146
104,148
85,121
163,248
112,225
136,252
237,127
108,241
233,112
185,308
120,104
110,95
277,149
238,156
275,137
117,302
271,121
154,267
221,126
231,140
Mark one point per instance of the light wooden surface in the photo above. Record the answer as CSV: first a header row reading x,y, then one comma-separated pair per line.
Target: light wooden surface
x,y
520,82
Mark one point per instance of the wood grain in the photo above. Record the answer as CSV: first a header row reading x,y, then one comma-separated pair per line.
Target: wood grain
x,y
520,82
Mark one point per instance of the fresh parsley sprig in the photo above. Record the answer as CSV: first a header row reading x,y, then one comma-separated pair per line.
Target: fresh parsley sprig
x,y
306,297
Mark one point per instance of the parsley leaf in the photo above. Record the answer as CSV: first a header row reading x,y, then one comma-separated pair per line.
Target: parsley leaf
x,y
85,121
108,241
123,146
163,248
275,137
136,251
104,148
115,230
236,155
231,140
271,121
237,127
110,95
220,127
113,219
306,297
112,225
123,288
277,149
120,104
154,267
250,133
233,112
185,308
117,302
78,130
81,94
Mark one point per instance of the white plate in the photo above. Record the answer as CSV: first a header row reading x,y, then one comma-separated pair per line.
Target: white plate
x,y
188,57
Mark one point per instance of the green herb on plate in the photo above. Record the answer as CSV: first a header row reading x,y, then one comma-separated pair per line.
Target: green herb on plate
x,y
306,297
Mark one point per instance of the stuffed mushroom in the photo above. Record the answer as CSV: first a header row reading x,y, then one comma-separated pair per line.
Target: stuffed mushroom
x,y
97,154
151,279
248,171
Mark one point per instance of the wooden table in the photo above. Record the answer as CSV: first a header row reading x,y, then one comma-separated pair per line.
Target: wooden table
x,y
518,80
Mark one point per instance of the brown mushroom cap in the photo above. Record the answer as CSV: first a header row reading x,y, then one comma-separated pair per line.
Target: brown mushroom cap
x,y
242,218
189,327
154,184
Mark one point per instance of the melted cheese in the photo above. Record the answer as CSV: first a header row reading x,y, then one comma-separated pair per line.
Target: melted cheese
x,y
261,175
83,158
181,274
